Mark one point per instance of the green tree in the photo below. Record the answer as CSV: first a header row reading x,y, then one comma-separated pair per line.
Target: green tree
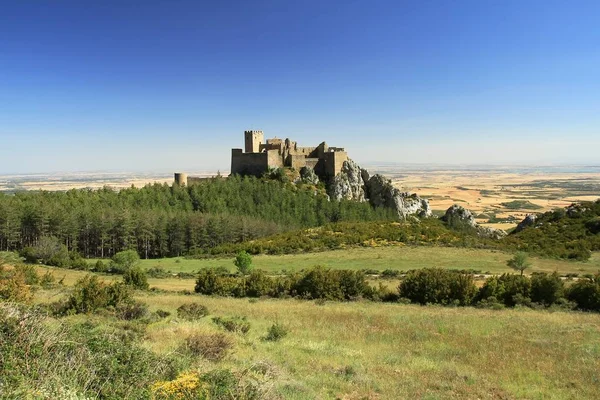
x,y
519,262
124,260
243,262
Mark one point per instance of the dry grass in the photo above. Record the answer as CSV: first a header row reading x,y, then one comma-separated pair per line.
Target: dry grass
x,y
389,351
397,351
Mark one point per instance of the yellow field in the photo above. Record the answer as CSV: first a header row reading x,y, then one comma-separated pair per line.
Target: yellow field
x,y
484,191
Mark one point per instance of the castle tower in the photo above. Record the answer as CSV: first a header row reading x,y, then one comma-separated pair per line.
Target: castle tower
x,y
181,178
253,140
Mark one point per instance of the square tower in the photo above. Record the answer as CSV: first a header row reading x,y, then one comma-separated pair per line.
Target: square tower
x,y
253,140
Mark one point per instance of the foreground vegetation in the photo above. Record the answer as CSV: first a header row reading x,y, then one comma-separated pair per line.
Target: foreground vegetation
x,y
107,340
367,350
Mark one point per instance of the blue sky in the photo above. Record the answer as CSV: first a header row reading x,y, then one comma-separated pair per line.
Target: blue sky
x,y
172,85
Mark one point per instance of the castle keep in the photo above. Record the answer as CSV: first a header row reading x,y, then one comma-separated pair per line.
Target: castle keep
x,y
259,156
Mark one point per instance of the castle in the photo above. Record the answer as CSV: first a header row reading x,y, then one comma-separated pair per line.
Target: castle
x,y
259,156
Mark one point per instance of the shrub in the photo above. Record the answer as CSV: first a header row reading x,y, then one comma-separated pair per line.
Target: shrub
x,y
124,260
158,272
586,293
209,282
233,324
192,311
136,277
78,262
491,303
13,286
390,274
276,332
90,294
28,272
438,286
243,262
505,287
47,280
133,310
258,284
215,385
100,267
162,313
546,289
64,361
212,346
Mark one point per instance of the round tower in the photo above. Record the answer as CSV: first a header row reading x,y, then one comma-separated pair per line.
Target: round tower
x,y
181,178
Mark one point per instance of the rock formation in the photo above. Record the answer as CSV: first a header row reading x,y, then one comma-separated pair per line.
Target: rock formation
x,y
528,221
381,192
348,184
458,217
309,176
355,183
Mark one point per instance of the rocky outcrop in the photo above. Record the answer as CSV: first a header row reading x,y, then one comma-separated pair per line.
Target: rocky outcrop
x,y
355,183
381,193
309,176
348,184
458,217
527,222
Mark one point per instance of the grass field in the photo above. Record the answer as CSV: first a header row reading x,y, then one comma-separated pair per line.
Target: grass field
x,y
379,258
392,257
364,350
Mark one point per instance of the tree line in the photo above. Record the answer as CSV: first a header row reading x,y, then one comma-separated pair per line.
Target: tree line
x,y
161,220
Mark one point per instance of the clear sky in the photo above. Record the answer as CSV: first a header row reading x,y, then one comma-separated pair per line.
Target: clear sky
x,y
171,85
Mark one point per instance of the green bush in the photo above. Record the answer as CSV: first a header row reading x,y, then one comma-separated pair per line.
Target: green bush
x,y
192,311
586,293
210,282
13,286
100,267
233,324
136,277
546,289
258,284
507,289
158,272
276,332
390,274
90,294
59,360
438,286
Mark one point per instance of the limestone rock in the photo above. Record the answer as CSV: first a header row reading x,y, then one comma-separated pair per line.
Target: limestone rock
x,y
348,184
528,221
355,183
308,176
458,217
490,233
382,193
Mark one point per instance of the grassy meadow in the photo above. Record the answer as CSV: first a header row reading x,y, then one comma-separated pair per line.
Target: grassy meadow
x,y
400,258
364,350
